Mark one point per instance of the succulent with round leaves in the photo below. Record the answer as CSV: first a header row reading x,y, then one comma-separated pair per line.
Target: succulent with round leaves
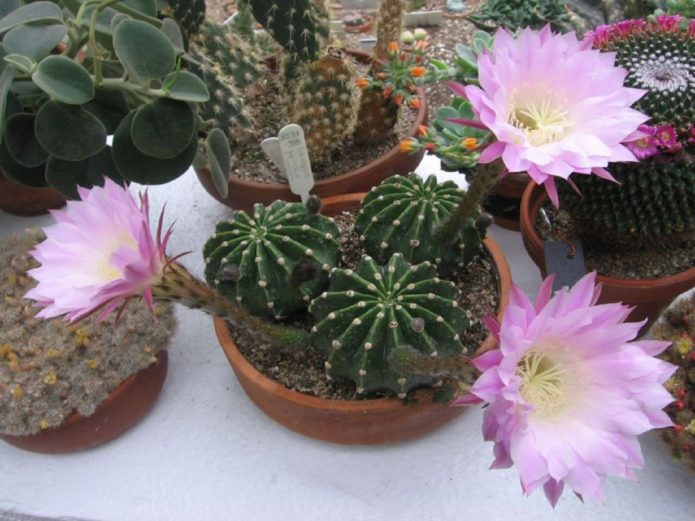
x,y
368,313
654,203
274,261
49,90
403,215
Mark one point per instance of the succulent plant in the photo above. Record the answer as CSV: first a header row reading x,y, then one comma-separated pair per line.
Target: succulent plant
x,y
274,262
50,89
371,311
677,325
402,215
49,369
517,14
654,202
324,103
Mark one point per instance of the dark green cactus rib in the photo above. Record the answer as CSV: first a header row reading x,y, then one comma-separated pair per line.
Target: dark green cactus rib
x,y
297,25
371,311
402,214
274,262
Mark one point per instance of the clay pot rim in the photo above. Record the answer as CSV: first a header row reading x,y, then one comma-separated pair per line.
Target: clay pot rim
x,y
528,230
270,386
115,395
420,118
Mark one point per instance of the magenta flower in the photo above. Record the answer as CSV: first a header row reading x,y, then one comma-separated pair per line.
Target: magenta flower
x,y
569,391
647,145
555,105
99,254
666,137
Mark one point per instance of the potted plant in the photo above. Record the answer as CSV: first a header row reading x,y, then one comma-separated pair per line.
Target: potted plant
x,y
553,375
639,231
72,388
74,72
312,84
677,326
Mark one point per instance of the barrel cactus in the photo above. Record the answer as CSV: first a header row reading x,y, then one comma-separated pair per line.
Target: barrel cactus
x,y
402,215
368,313
274,261
653,202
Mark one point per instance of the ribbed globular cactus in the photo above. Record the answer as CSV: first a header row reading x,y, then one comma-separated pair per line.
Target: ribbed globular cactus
x,y
299,26
274,261
324,103
403,214
375,309
389,25
654,202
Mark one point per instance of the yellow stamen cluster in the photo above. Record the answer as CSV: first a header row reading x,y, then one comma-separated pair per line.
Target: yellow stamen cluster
x,y
543,383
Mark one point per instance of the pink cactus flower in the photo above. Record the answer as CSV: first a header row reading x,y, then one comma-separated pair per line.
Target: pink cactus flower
x,y
647,145
666,137
569,390
99,254
555,105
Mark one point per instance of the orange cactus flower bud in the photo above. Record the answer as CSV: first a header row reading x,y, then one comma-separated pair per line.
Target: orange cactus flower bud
x,y
387,91
392,47
418,72
420,45
362,83
406,146
398,100
382,75
415,103
469,143
422,130
430,147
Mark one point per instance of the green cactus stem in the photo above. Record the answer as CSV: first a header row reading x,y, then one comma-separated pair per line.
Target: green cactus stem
x,y
371,311
389,25
377,117
324,103
178,285
402,215
407,360
190,14
279,258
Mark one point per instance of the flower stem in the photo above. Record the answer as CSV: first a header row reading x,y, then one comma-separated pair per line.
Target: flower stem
x,y
481,183
179,285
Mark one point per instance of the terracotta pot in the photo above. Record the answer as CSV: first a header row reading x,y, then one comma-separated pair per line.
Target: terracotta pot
x,y
504,200
122,409
648,296
385,420
18,199
243,194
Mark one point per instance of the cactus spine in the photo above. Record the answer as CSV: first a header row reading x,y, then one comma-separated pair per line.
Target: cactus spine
x,y
324,102
371,311
274,261
389,25
403,214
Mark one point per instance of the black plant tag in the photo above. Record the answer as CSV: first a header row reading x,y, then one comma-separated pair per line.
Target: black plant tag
x,y
566,260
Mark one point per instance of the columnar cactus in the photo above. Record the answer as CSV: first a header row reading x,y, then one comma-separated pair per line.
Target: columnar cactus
x,y
324,103
654,202
190,14
678,326
371,311
297,25
402,215
389,25
275,261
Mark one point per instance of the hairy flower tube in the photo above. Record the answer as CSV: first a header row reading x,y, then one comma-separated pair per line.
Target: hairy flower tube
x,y
555,106
569,390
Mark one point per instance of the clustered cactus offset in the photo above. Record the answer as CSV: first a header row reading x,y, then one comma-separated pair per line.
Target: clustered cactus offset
x,y
48,369
678,326
654,202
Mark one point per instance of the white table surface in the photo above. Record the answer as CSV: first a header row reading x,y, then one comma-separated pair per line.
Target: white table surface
x,y
205,452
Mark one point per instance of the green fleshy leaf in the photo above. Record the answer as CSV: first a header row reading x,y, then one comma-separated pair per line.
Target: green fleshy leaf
x,y
220,158
140,168
163,128
69,132
6,77
33,177
36,12
110,106
144,50
34,41
172,31
21,62
64,80
22,143
7,6
66,176
186,86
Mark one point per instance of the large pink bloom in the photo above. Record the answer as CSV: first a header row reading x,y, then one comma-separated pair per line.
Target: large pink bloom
x,y
555,105
568,391
99,254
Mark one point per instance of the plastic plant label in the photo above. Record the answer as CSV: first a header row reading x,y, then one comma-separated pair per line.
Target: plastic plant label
x,y
566,260
271,147
295,158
